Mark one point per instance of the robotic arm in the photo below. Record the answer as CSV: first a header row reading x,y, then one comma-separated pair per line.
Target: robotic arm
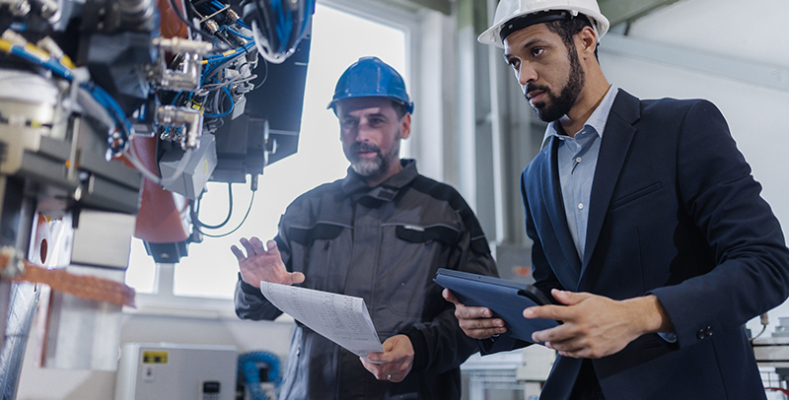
x,y
113,116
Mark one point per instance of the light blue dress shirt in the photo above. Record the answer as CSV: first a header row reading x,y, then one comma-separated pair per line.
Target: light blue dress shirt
x,y
577,161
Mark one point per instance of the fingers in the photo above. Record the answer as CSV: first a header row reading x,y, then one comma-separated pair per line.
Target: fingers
x,y
463,312
248,247
550,312
476,322
485,332
380,357
253,248
395,362
559,313
238,253
294,278
572,348
257,245
568,298
553,335
383,372
450,297
575,347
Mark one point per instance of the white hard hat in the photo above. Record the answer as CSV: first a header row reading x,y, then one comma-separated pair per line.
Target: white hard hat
x,y
508,10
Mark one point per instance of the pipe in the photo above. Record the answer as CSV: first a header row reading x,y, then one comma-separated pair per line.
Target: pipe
x,y
193,119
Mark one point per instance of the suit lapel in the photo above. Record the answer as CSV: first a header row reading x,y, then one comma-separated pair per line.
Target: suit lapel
x,y
617,138
552,198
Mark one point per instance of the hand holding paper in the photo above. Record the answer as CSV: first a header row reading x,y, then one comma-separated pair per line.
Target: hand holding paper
x,y
342,319
395,363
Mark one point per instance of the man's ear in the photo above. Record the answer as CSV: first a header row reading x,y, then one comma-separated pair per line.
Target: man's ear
x,y
405,126
588,42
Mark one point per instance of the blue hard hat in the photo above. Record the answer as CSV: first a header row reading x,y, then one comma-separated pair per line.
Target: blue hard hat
x,y
371,77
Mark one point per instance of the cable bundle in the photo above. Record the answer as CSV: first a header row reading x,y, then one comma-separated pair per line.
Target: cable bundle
x,y
118,139
279,25
248,371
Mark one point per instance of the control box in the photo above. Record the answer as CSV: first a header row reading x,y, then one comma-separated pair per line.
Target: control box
x,y
157,371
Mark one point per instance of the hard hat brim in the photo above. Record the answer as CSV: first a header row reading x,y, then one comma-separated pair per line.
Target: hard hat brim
x,y
491,35
408,106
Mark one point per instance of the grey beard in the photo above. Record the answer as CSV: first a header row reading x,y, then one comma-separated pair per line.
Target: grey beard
x,y
370,167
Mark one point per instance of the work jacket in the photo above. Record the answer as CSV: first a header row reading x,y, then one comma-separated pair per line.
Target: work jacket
x,y
383,244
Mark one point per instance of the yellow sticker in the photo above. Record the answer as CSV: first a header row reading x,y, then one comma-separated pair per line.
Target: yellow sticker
x,y
154,357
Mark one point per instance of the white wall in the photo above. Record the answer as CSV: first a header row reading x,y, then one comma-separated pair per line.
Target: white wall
x,y
756,114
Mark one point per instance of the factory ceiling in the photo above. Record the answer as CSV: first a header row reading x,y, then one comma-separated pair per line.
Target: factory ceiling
x,y
617,11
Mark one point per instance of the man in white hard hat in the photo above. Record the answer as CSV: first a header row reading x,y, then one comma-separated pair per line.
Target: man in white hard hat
x,y
647,225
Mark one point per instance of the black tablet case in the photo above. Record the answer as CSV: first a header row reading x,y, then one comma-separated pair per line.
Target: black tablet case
x,y
507,299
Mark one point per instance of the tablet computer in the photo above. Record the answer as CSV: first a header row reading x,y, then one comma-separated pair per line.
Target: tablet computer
x,y
506,299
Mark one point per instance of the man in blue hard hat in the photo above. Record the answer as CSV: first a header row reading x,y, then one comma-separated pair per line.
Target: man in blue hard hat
x,y
381,233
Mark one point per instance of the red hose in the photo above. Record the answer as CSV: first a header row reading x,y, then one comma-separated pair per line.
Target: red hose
x,y
777,389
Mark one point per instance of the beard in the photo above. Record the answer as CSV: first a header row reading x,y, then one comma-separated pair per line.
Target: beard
x,y
562,104
378,165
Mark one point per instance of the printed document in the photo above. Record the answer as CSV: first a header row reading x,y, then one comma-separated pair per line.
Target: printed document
x,y
342,319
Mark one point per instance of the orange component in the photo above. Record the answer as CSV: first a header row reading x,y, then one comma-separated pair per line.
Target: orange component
x,y
171,25
83,286
160,219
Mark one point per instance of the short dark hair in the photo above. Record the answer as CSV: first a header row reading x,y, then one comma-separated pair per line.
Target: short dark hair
x,y
568,28
399,109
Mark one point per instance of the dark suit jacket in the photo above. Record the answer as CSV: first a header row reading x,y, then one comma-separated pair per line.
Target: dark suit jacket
x,y
674,212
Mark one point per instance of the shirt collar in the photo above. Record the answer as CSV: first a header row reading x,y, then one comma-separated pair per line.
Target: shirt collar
x,y
387,190
597,120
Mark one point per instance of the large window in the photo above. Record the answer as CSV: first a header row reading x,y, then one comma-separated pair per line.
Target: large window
x,y
338,39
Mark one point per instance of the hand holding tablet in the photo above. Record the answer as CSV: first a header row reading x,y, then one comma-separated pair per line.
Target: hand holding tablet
x,y
506,299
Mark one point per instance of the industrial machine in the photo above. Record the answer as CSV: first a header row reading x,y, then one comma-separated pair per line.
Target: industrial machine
x,y
772,356
151,371
113,116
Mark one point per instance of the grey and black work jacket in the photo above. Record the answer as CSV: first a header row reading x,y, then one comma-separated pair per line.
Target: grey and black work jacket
x,y
383,244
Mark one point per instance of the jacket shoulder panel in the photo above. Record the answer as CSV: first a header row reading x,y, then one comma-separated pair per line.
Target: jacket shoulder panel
x,y
444,192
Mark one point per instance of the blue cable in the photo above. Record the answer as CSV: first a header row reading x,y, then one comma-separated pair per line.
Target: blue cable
x,y
280,27
117,114
52,65
248,371
235,32
308,13
98,93
228,110
214,63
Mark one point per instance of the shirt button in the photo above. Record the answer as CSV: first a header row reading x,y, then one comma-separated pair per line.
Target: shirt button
x,y
581,206
578,159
